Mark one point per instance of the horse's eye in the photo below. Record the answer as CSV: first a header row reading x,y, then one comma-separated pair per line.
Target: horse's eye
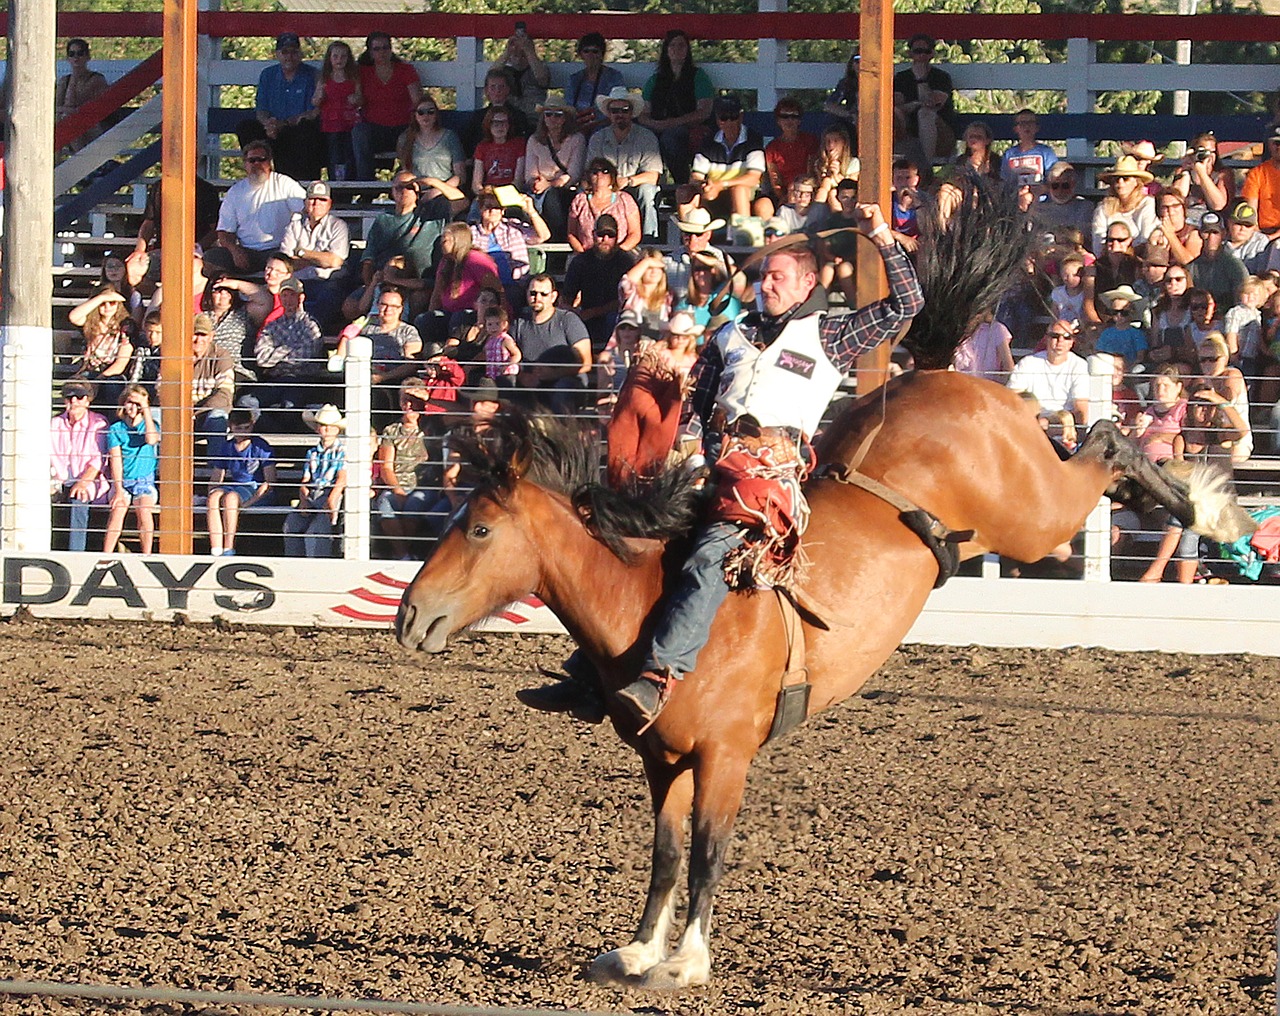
x,y
480,532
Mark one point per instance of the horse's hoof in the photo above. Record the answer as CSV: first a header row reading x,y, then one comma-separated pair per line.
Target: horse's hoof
x,y
674,974
622,966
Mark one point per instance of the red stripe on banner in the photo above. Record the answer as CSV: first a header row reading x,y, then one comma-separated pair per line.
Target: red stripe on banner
x,y
533,601
372,597
357,615
507,615
386,580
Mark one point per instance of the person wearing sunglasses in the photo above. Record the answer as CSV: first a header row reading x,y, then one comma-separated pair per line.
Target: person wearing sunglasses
x,y
592,80
1056,376
633,150
787,156
1061,205
433,153
284,113
922,100
731,165
75,89
77,463
255,213
1216,269
1126,201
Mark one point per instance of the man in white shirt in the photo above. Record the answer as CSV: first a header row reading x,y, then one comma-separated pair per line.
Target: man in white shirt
x,y
319,242
254,215
1056,377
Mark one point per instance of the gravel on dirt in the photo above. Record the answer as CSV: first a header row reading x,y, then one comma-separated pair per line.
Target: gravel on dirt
x,y
317,812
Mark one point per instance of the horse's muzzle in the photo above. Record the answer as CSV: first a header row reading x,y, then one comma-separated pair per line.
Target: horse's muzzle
x,y
424,633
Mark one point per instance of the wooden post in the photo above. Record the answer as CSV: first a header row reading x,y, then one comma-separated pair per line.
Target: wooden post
x,y
178,214
875,150
27,339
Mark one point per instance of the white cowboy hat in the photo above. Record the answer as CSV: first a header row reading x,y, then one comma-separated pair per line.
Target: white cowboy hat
x,y
621,94
326,416
1141,150
699,220
1136,302
1126,165
683,323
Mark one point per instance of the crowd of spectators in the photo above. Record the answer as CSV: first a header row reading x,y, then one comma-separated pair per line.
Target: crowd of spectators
x,y
1174,261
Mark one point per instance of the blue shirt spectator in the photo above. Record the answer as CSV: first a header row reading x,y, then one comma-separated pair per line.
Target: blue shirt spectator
x,y
283,98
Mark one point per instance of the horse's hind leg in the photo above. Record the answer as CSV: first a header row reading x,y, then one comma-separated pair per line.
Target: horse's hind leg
x,y
1140,481
719,784
672,793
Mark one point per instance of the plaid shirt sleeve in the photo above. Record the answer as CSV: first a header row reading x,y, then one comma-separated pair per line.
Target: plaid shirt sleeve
x,y
847,336
704,382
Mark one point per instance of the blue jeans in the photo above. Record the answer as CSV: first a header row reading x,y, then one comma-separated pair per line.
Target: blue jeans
x,y
367,140
646,196
77,518
308,531
686,619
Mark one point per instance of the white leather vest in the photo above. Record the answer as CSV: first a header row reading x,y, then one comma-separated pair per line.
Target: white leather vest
x,y
786,384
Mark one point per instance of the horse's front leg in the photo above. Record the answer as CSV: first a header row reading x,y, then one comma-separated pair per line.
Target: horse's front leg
x,y
718,790
672,791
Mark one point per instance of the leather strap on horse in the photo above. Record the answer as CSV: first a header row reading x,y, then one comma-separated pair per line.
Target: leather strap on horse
x,y
944,543
792,707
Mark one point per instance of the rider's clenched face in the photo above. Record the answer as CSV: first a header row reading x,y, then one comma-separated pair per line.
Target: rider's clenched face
x,y
784,284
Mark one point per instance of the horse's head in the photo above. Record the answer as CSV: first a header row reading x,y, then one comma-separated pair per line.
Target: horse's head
x,y
487,557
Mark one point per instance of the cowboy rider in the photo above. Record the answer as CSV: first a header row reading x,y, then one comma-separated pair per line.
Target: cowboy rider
x,y
760,388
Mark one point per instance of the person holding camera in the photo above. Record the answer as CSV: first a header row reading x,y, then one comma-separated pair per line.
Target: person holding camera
x,y
529,75
1202,183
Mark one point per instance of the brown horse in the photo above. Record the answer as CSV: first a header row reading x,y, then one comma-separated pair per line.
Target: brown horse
x,y
965,449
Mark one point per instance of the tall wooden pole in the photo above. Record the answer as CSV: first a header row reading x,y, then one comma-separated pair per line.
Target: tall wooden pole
x,y
875,150
178,216
27,338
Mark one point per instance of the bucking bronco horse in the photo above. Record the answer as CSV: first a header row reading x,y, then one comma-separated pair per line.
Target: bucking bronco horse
x,y
965,451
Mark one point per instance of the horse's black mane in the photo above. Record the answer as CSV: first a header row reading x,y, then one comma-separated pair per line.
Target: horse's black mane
x,y
970,259
564,457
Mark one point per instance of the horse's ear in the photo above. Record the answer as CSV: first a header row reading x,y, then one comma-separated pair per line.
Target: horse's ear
x,y
521,459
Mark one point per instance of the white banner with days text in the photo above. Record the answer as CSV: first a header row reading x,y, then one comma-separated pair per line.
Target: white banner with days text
x,y
300,591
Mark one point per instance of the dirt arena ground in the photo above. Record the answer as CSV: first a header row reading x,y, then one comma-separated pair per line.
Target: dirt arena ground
x,y
981,831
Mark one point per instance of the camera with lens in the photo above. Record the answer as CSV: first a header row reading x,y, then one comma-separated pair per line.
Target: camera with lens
x,y
1203,154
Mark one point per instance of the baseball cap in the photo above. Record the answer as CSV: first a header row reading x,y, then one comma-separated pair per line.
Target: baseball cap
x,y
202,324
1244,214
1157,256
286,39
727,105
292,283
320,189
1275,133
77,389
1211,222
606,225
630,317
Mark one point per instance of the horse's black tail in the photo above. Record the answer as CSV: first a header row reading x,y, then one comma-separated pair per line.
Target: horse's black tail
x,y
973,250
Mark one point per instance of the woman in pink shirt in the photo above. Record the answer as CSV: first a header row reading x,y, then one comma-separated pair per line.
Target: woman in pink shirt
x,y
390,87
463,271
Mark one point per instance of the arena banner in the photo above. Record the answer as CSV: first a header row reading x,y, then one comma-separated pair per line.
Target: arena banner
x,y
297,591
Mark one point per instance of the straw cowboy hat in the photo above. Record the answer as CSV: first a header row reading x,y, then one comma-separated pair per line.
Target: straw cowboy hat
x,y
621,94
1135,299
698,220
1126,165
326,416
556,100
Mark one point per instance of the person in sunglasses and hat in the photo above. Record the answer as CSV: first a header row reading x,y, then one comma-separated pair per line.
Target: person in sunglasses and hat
x,y
730,166
1126,201
633,150
77,462
1216,269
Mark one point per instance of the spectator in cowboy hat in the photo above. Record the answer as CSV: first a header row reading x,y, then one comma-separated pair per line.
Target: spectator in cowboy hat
x,y
633,150
1126,201
696,226
1144,153
308,529
553,161
1124,335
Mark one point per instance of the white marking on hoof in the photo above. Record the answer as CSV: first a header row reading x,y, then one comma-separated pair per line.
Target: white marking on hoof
x,y
623,966
688,966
